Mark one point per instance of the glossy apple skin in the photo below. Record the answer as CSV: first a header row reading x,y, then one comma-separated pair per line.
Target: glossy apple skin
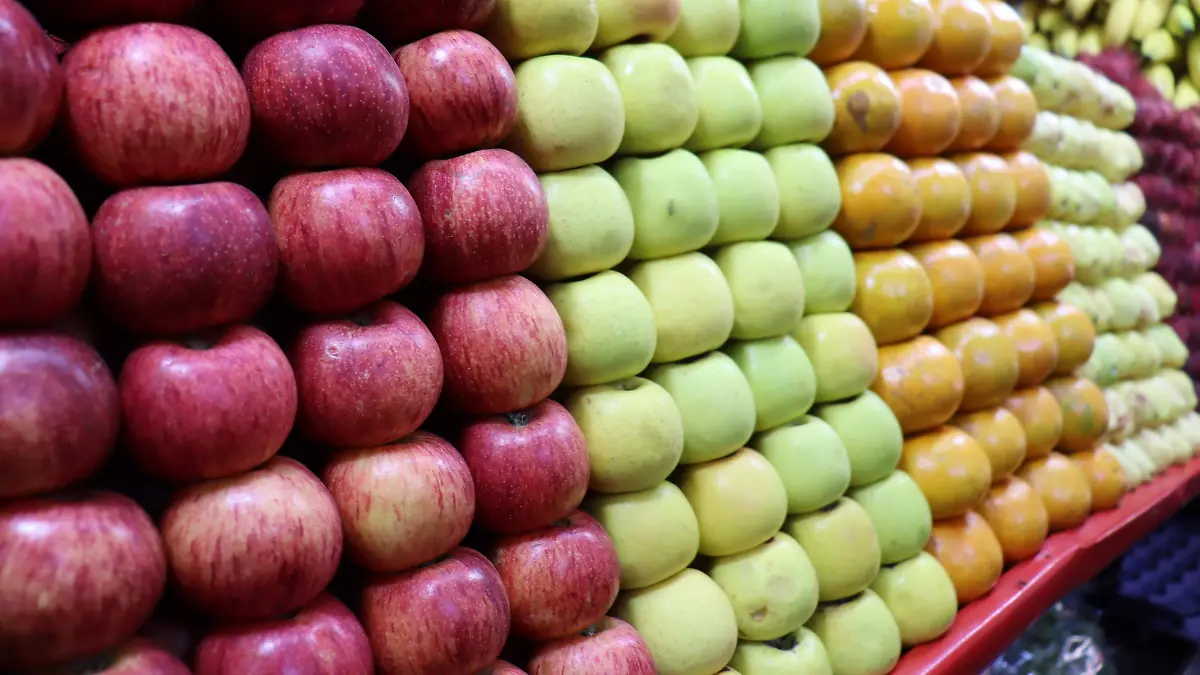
x,y
33,80
399,21
253,546
560,579
116,12
502,343
402,504
79,574
59,412
45,243
611,647
368,380
139,656
347,238
326,96
206,408
530,467
171,260
323,638
268,17
154,103
463,94
485,216
447,618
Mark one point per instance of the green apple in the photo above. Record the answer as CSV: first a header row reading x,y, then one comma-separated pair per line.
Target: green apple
x,y
571,114
777,27
842,545
730,113
797,653
635,20
747,195
715,402
772,587
827,266
654,531
780,376
842,352
674,205
899,514
920,596
662,105
693,307
810,195
739,501
768,290
687,623
634,433
706,28
591,224
861,636
523,29
810,460
871,434
796,104
609,326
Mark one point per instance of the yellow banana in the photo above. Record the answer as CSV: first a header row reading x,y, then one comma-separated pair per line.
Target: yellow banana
x,y
1077,9
1038,40
1091,40
1160,47
1181,22
1066,41
1195,6
1162,78
1150,17
1028,18
1049,19
1193,59
1119,21
1186,94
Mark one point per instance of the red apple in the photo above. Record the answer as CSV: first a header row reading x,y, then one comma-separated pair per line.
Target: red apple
x,y
33,80
173,260
530,467
611,647
347,238
449,617
209,406
261,18
485,216
323,638
58,413
79,575
400,21
253,546
367,380
139,656
502,668
326,96
93,12
463,94
502,343
155,103
560,579
45,243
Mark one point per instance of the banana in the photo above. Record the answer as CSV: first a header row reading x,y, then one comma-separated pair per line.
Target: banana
x,y
1193,59
1162,78
1091,41
1150,16
1077,9
1028,18
1186,94
1160,47
1181,22
1038,40
1195,6
1119,21
1049,19
1066,41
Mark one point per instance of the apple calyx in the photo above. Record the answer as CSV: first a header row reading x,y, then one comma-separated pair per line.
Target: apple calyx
x,y
518,419
784,644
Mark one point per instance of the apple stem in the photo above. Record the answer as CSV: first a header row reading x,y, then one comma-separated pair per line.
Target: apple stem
x,y
517,419
590,631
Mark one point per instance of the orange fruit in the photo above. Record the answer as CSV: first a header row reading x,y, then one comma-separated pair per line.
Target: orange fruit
x,y
929,113
945,198
1000,434
1105,475
881,203
1033,188
1063,487
1040,416
1084,411
1074,333
962,36
988,360
866,108
969,551
993,192
898,33
843,27
956,277
1053,264
894,296
1018,109
1008,36
979,112
921,381
951,469
1007,273
1037,352
1017,517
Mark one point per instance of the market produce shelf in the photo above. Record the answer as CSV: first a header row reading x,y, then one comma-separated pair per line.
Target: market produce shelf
x,y
986,627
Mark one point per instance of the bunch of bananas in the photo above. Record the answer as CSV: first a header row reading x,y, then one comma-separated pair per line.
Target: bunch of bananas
x,y
1162,31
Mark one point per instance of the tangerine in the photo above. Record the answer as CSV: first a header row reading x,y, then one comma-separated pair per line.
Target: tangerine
x,y
929,113
956,277
945,198
1017,517
921,381
970,553
866,108
1040,416
881,202
993,192
979,114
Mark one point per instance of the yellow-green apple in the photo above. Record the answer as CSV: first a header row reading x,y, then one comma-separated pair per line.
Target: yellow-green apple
x,y
686,621
502,344
776,27
706,28
730,112
610,647
559,579
780,377
797,653
107,575
659,93
591,224
747,195
635,20
899,514
772,587
35,81
715,402
920,596
654,530
609,326
796,104
738,500
674,205
692,303
843,354
768,290
459,598
59,412
402,21
524,29
139,655
870,432
842,627
809,192
570,113
842,545
827,266
810,459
